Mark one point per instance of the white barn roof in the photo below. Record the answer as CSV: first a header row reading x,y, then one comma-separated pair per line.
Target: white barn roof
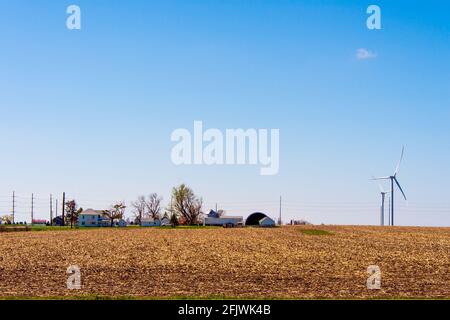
x,y
92,212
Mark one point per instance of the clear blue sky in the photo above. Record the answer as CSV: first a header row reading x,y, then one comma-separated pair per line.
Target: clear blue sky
x,y
90,112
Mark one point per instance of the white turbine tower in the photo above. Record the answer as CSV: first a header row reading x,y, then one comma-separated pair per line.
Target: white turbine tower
x,y
393,179
383,198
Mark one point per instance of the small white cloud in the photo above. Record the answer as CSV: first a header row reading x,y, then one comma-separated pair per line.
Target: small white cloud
x,y
364,54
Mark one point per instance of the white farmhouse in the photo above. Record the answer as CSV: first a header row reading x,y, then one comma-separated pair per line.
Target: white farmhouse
x,y
92,218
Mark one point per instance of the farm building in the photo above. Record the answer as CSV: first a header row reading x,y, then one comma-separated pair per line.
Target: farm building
x,y
214,219
150,222
58,221
254,218
122,223
165,221
259,219
93,218
266,222
39,221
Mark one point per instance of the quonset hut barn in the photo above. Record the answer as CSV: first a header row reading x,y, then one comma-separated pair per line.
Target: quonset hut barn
x,y
256,219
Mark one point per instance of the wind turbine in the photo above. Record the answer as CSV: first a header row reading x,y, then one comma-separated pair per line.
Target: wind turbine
x,y
393,179
383,198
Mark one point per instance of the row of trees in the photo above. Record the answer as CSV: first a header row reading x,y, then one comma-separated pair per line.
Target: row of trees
x,y
185,208
147,207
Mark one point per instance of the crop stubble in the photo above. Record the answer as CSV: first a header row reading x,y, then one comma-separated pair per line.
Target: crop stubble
x,y
242,263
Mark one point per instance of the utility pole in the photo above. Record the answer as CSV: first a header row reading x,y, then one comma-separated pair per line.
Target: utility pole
x,y
171,211
51,210
13,206
216,207
392,201
279,219
32,208
64,201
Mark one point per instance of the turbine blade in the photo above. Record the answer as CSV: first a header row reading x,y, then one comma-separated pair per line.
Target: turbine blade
x,y
397,169
398,184
381,188
380,178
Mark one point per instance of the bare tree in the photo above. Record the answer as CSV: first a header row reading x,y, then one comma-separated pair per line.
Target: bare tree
x,y
186,204
72,212
7,219
116,212
139,208
153,205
